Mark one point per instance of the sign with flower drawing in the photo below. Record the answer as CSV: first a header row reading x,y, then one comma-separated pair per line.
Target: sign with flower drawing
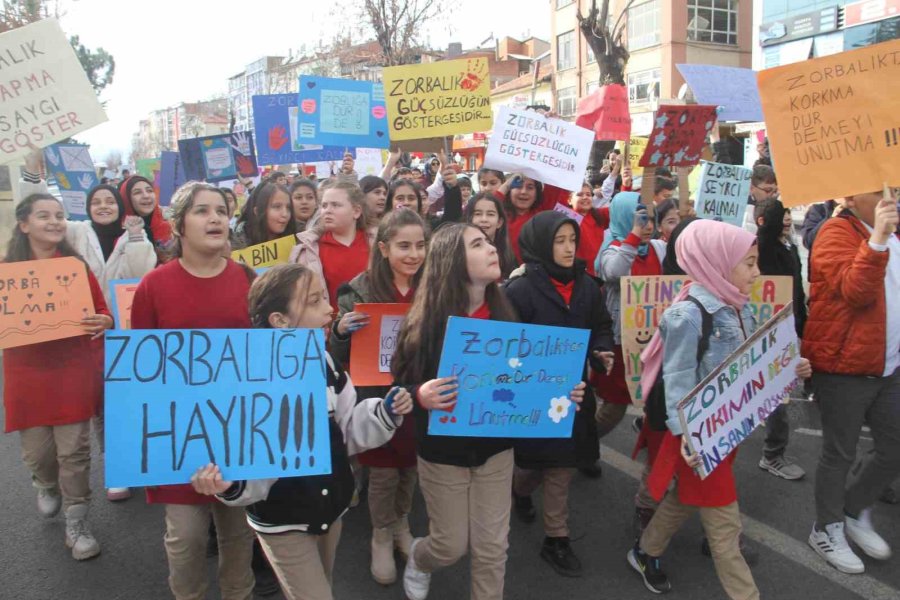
x,y
514,379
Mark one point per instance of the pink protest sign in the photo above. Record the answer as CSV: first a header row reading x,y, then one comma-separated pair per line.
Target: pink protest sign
x,y
606,112
679,133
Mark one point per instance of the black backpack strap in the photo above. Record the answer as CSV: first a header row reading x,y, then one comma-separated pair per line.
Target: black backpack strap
x,y
706,327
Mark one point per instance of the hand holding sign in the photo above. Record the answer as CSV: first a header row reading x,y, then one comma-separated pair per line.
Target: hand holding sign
x,y
886,219
352,321
208,481
607,358
399,401
439,394
95,325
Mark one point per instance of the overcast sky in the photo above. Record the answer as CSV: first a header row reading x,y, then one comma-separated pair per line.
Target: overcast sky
x,y
171,51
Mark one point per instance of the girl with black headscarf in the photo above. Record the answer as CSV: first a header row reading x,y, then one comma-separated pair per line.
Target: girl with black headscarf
x,y
555,290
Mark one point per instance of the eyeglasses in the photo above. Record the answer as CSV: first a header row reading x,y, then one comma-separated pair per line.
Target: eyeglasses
x,y
768,189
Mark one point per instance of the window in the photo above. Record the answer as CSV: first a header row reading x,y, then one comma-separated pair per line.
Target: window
x,y
643,25
590,55
712,21
566,102
642,85
565,58
563,3
590,87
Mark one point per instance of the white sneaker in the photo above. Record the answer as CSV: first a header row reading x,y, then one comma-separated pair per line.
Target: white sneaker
x,y
48,502
118,494
415,581
832,545
863,535
78,534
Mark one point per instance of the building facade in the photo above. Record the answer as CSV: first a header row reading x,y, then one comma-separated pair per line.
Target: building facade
x,y
659,35
162,129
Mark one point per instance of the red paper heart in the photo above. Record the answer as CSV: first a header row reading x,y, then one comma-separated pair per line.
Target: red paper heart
x,y
443,419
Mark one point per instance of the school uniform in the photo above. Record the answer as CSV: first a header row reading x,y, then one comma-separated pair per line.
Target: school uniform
x,y
334,262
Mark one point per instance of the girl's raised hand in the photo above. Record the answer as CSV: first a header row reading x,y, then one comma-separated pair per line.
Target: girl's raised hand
x,y
439,394
577,394
208,481
95,325
134,225
347,164
804,369
401,403
352,321
34,160
641,218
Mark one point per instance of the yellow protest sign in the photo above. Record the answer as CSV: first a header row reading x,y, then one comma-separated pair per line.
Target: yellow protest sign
x,y
267,254
645,298
438,99
636,147
832,123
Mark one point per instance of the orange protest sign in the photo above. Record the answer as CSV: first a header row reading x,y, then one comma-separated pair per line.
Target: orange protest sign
x,y
832,123
122,296
43,300
373,346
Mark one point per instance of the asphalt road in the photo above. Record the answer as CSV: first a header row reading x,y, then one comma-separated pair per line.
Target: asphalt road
x,y
34,563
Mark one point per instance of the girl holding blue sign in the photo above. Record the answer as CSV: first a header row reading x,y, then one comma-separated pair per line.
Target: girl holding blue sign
x,y
298,519
465,480
555,289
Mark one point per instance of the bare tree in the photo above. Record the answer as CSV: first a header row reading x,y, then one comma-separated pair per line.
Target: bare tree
x,y
612,58
113,160
398,25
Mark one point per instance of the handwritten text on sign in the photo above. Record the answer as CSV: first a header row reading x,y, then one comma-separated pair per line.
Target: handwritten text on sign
x,y
645,298
723,193
341,112
251,401
438,99
275,127
45,96
267,254
732,401
550,150
678,136
514,379
833,116
42,300
373,346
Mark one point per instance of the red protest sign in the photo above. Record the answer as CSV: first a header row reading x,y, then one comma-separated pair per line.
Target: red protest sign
x,y
606,112
373,346
679,133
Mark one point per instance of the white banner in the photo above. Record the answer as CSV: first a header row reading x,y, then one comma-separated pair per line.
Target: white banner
x,y
551,151
45,95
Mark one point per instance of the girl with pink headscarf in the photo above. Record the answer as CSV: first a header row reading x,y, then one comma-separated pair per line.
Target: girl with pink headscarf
x,y
720,259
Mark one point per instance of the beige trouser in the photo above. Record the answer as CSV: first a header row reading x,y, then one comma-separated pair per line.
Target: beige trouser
x,y
643,498
390,494
555,496
304,563
722,525
187,531
60,456
468,509
608,415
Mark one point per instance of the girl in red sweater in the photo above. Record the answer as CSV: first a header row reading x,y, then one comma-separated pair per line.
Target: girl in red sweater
x,y
394,272
54,428
199,289
523,198
592,228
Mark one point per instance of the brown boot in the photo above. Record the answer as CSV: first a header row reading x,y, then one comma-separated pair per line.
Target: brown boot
x,y
384,570
402,536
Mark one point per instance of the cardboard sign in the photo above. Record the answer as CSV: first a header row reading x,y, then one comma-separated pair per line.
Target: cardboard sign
x,y
645,298
679,133
146,167
45,96
43,300
372,348
732,88
549,150
252,401
514,379
219,157
732,401
562,208
171,176
275,124
369,161
636,147
723,192
342,112
122,292
831,117
606,112
73,169
267,254
438,99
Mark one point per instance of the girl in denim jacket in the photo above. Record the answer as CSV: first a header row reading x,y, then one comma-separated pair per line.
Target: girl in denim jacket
x,y
720,259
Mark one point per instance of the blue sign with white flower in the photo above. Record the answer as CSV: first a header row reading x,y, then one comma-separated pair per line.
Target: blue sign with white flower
x,y
514,379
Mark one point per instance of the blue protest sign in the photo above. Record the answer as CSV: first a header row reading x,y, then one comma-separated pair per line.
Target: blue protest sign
x,y
514,379
342,112
723,192
73,169
732,88
171,176
275,126
252,401
218,157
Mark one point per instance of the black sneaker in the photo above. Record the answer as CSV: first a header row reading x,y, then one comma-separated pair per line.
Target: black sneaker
x,y
524,508
558,552
594,471
751,556
648,568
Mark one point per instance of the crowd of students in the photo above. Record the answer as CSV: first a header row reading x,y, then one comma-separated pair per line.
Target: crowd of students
x,y
503,253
